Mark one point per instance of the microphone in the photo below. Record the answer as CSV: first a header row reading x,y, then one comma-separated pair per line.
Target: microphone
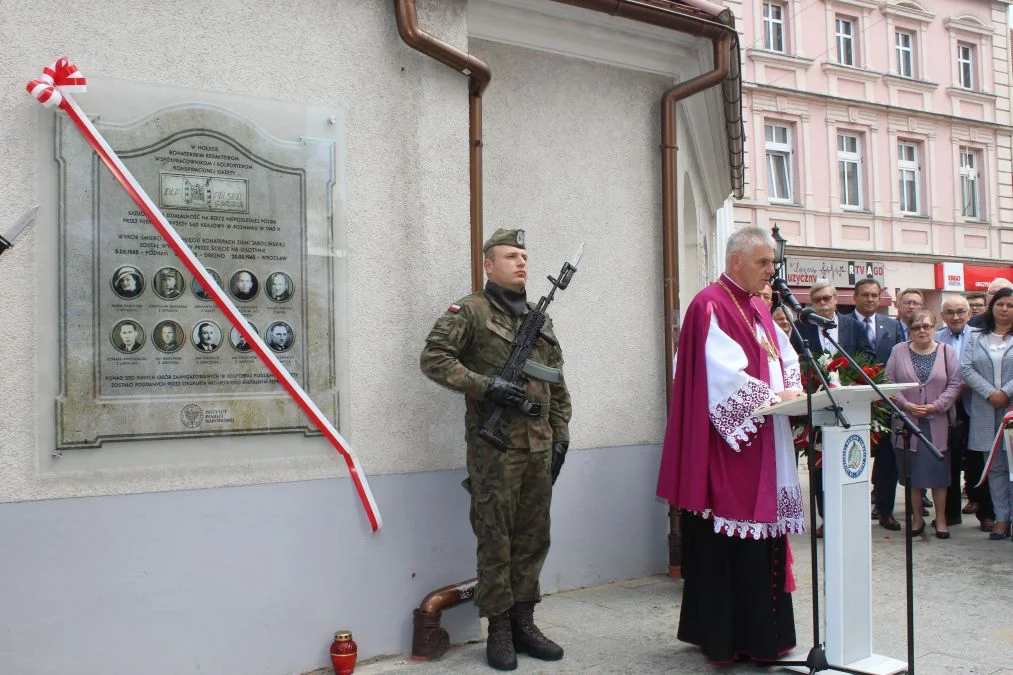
x,y
787,297
809,315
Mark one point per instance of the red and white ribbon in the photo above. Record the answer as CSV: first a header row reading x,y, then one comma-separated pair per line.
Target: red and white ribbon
x,y
61,79
999,446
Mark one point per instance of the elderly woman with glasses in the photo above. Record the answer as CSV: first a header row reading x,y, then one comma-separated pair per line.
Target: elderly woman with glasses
x,y
987,368
935,368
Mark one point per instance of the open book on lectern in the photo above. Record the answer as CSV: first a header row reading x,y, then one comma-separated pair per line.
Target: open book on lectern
x,y
845,396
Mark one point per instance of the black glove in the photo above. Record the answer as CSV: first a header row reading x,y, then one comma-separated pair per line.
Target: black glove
x,y
502,392
558,457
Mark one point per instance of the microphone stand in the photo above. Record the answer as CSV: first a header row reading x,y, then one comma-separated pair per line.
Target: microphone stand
x,y
816,659
908,429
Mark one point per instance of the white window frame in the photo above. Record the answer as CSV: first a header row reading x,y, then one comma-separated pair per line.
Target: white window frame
x,y
779,150
905,53
970,183
845,40
909,173
846,157
965,65
774,27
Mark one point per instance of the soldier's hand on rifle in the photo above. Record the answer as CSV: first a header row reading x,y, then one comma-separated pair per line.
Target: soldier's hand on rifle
x,y
503,392
558,457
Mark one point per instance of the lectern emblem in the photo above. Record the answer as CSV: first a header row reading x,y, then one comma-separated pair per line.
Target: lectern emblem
x,y
854,456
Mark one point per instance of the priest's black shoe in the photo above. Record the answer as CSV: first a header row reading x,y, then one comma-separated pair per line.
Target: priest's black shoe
x,y
527,638
499,647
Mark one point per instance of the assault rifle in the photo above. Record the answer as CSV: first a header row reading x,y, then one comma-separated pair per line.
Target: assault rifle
x,y
518,367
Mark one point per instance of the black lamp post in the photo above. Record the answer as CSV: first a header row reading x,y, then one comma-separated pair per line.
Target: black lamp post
x,y
780,243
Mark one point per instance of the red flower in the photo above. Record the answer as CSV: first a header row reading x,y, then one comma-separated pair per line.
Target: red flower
x,y
872,371
838,363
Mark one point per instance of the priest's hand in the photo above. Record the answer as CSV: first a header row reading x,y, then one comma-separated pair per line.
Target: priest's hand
x,y
998,399
790,394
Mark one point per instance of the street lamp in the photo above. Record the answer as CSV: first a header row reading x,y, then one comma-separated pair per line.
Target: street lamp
x,y
780,243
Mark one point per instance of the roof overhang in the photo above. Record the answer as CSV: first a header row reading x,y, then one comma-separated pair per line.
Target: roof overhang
x,y
716,115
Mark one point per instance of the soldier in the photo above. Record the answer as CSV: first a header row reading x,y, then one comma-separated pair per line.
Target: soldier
x,y
510,489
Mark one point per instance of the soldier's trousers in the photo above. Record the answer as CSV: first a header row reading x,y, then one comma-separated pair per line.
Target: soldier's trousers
x,y
510,496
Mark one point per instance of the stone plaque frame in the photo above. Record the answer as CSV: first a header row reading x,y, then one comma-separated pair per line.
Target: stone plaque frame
x,y
160,393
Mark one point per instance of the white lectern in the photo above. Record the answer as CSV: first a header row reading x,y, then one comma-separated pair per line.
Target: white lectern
x,y
847,467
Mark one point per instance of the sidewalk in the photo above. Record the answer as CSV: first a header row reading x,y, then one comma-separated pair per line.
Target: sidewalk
x,y
963,615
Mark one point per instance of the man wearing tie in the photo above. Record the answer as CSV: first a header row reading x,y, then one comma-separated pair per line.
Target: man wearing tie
x,y
848,333
909,301
955,312
883,333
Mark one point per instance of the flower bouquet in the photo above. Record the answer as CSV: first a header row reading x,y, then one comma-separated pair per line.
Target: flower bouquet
x,y
839,372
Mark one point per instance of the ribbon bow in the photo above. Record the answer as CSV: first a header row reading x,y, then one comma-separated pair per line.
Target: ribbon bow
x,y
62,75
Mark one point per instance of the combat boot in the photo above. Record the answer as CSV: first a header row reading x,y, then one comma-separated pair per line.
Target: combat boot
x,y
499,647
527,638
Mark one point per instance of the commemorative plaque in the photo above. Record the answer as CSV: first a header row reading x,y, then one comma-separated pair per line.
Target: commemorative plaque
x,y
144,352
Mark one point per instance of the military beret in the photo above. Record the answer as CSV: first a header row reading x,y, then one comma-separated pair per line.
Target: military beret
x,y
503,237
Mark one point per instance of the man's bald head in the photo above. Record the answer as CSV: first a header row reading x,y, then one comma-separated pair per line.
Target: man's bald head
x,y
998,284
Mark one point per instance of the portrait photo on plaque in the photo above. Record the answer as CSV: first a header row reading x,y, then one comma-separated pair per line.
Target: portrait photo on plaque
x,y
244,285
199,291
280,336
168,336
239,342
279,287
168,283
207,337
128,282
127,336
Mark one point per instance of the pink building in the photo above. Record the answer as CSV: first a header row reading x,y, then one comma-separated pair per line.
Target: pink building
x,y
879,138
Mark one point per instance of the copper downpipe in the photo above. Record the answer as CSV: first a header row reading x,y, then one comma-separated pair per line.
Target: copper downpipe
x,y
429,641
478,78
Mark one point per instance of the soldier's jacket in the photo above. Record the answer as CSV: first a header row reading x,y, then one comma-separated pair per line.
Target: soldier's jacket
x,y
469,344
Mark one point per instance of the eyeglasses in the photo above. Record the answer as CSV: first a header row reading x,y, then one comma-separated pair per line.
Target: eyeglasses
x,y
977,305
912,303
923,326
822,298
954,312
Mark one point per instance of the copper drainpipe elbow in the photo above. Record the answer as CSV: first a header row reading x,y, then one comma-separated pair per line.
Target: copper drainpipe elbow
x,y
479,75
429,640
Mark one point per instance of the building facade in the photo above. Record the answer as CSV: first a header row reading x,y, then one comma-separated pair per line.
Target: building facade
x,y
879,138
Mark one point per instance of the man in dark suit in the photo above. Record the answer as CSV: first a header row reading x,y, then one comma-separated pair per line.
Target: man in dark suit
x,y
848,333
883,333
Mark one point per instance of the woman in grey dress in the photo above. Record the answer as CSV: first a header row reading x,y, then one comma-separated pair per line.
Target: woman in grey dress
x,y
987,368
936,369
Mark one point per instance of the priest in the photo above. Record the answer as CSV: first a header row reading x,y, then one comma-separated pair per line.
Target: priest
x,y
733,473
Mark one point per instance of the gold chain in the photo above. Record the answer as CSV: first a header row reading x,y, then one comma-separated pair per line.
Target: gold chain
x,y
772,352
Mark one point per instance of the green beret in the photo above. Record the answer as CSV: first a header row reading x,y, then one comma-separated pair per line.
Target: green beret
x,y
503,237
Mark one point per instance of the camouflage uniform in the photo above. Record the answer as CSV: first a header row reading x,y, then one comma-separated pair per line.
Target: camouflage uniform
x,y
510,491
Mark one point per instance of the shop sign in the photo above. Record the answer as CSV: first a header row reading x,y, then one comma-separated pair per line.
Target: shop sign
x,y
839,273
961,277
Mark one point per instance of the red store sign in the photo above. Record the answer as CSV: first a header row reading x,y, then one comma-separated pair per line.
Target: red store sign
x,y
961,277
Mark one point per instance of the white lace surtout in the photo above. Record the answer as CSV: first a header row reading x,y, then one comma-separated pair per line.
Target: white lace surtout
x,y
732,396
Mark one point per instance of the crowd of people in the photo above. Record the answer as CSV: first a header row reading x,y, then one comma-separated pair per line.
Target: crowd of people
x,y
963,369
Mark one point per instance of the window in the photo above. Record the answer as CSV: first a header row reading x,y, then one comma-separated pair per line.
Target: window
x,y
907,164
849,170
905,54
965,65
773,26
778,139
845,42
969,192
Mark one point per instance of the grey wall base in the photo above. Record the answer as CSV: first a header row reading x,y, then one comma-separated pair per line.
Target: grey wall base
x,y
255,580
